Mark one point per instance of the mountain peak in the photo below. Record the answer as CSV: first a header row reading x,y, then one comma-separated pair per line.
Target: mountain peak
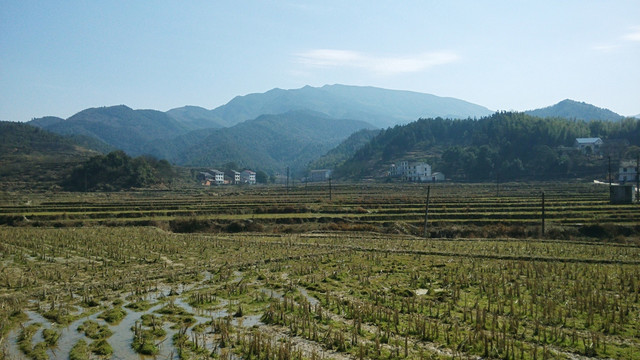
x,y
380,107
572,109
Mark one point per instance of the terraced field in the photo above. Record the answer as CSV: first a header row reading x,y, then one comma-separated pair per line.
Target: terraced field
x,y
273,274
371,207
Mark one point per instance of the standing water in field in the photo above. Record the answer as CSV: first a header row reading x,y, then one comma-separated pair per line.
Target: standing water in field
x,y
122,337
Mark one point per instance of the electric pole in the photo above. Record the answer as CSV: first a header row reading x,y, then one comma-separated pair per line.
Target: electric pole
x,y
543,213
609,172
426,214
638,179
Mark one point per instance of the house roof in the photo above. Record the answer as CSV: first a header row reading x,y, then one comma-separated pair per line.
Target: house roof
x,y
588,140
628,163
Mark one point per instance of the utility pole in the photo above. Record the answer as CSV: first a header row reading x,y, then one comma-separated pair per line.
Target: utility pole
x,y
543,213
638,179
330,195
609,172
287,184
426,214
497,184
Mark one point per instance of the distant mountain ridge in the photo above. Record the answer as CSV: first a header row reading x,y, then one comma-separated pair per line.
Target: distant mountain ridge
x,y
269,142
254,129
377,106
118,126
570,109
195,117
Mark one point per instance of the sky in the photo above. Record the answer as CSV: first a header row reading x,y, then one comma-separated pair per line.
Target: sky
x,y
60,57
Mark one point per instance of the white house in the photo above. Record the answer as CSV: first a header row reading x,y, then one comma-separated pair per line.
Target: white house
x,y
320,175
233,177
628,172
414,171
248,177
589,145
437,176
218,176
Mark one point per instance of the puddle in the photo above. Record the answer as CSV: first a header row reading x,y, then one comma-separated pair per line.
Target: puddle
x,y
122,336
313,301
272,293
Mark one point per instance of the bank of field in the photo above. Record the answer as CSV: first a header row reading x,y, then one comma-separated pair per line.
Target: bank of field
x,y
513,210
88,288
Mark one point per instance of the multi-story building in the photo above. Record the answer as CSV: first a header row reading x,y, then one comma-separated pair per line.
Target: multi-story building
x,y
412,171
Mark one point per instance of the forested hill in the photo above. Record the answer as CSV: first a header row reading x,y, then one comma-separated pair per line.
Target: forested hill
x,y
269,143
35,158
570,109
119,126
507,144
341,153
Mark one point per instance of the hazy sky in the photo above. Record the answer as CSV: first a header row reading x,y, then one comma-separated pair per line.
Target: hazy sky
x,y
60,57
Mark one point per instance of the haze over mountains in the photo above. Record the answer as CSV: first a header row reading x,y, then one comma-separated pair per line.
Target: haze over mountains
x,y
379,107
277,128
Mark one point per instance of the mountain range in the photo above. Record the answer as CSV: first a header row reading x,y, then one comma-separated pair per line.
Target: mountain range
x,y
275,129
379,107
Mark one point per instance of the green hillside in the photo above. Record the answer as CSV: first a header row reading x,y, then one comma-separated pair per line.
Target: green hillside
x,y
269,143
35,158
341,153
508,145
570,109
119,126
45,121
195,117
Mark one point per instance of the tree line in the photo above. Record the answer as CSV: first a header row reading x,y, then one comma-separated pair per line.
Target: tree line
x,y
505,145
117,171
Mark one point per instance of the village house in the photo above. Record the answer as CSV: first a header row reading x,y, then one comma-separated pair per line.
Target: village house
x,y
218,176
232,177
248,177
320,175
628,172
588,145
414,171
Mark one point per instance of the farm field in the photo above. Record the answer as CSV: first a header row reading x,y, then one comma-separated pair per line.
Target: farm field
x,y
313,273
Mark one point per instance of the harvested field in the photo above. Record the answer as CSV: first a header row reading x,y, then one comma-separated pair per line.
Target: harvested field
x,y
266,273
